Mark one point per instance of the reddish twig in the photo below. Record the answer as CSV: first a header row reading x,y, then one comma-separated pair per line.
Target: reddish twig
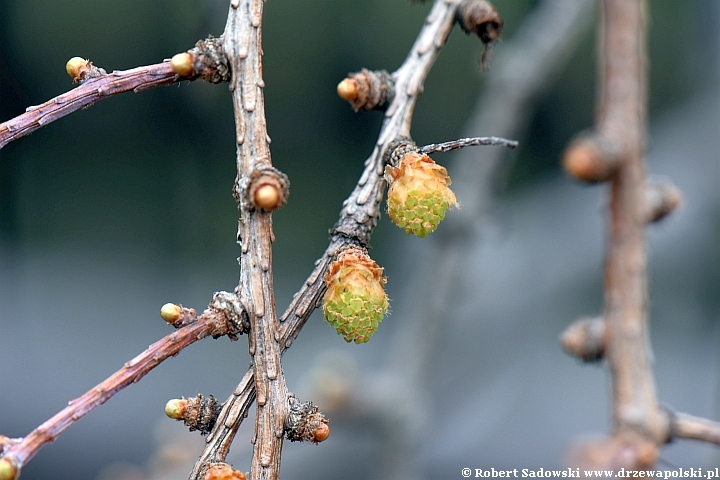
x,y
695,428
220,319
93,90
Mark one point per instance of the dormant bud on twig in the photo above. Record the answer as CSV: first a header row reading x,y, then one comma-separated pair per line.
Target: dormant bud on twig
x,y
305,423
199,413
80,70
171,313
8,470
367,89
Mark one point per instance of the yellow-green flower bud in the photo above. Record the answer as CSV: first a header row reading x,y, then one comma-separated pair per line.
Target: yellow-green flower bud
x,y
355,301
171,313
8,471
176,408
419,195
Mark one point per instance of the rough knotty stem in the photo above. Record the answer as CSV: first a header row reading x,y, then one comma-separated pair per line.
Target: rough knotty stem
x,y
212,322
358,217
622,119
242,43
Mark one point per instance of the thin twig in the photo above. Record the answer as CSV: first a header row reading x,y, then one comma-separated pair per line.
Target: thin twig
x,y
695,428
93,90
211,323
467,142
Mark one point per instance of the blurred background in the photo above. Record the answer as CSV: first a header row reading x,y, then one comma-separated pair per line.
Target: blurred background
x,y
111,212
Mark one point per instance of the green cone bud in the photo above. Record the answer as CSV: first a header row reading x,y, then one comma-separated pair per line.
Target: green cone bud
x,y
419,195
355,301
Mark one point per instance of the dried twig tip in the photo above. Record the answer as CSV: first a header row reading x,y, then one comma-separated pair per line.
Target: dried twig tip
x,y
481,18
8,471
171,313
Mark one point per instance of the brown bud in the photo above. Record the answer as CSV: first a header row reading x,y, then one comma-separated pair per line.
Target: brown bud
x,y
321,433
367,89
8,470
171,313
223,471
661,198
585,339
348,89
201,413
591,158
481,18
304,423
183,64
268,189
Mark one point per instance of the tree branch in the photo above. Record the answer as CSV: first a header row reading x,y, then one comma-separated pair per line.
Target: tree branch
x,y
359,215
242,44
219,319
93,90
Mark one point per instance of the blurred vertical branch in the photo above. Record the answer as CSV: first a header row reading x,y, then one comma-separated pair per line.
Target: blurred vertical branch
x,y
614,151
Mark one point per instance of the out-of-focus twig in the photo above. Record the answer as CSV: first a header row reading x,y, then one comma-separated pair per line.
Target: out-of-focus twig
x,y
695,428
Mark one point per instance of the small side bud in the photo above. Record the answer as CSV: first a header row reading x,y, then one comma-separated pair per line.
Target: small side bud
x,y
268,189
74,66
591,158
183,64
201,413
321,433
661,198
8,470
176,408
304,423
367,89
81,70
585,339
481,18
348,89
171,313
355,301
223,471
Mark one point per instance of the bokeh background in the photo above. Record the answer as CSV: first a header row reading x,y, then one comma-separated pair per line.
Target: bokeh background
x,y
113,211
